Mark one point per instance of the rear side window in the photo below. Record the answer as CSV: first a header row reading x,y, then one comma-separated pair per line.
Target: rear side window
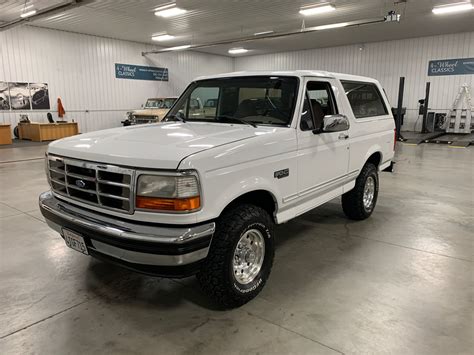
x,y
365,99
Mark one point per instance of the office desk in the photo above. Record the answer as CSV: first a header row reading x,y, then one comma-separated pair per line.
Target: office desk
x,y
5,134
39,132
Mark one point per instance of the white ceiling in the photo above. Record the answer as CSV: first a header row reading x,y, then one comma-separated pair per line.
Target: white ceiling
x,y
216,20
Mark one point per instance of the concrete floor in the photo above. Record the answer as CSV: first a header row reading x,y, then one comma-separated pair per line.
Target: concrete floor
x,y
400,282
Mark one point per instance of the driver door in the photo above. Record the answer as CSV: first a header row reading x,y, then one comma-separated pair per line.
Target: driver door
x,y
323,157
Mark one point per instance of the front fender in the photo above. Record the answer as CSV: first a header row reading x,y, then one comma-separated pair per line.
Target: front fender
x,y
242,187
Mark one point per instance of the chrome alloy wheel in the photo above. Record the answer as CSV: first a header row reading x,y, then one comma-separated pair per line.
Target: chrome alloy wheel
x,y
369,193
248,256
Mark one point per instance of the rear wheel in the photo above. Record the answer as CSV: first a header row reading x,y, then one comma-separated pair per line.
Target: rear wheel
x,y
359,203
240,257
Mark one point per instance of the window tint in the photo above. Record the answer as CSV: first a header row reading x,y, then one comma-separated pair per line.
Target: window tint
x,y
319,102
365,99
259,100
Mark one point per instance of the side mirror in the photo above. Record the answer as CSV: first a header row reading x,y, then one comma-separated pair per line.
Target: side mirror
x,y
335,123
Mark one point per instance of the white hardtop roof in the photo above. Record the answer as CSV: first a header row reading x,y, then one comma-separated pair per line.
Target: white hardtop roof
x,y
297,73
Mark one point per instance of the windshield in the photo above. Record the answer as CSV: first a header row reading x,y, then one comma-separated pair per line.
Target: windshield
x,y
160,103
267,100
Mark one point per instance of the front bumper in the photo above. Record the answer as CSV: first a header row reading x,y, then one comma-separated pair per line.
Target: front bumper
x,y
144,247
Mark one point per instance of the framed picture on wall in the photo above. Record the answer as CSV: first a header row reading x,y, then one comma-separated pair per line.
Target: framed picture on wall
x,y
20,98
39,96
4,96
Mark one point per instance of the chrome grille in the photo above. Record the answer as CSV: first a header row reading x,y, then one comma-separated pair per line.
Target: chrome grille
x,y
102,185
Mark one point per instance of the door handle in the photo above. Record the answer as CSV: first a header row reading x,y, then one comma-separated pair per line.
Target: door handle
x,y
343,136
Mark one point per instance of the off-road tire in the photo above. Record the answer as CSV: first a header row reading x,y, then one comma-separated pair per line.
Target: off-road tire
x,y
353,201
216,276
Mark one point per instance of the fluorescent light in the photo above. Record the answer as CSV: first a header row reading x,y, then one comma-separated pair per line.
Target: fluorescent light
x,y
238,50
263,33
162,37
316,9
177,48
165,6
458,7
167,11
28,13
333,25
56,16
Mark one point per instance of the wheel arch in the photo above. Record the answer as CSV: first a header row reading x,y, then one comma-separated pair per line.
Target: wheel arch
x,y
260,197
374,156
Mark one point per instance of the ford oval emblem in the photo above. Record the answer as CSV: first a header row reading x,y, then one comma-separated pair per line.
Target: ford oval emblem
x,y
80,183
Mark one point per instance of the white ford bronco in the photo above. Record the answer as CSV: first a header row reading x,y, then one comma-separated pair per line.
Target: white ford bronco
x,y
200,192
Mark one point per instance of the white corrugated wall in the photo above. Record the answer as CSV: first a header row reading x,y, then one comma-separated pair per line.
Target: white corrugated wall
x,y
385,61
80,69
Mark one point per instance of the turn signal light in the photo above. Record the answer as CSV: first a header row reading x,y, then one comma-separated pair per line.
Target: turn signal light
x,y
169,204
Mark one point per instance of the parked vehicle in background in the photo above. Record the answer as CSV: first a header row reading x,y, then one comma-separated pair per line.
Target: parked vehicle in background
x,y
201,192
210,107
153,111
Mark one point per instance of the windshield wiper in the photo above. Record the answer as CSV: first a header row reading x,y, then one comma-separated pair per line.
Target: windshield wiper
x,y
175,118
237,120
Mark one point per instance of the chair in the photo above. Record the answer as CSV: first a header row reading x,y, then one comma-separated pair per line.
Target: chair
x,y
318,114
50,117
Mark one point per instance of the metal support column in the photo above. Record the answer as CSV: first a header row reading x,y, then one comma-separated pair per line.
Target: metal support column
x,y
398,118
424,129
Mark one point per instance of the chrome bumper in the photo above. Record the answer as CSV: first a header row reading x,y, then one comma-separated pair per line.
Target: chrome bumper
x,y
133,244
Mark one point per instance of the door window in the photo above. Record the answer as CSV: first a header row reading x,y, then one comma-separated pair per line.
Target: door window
x,y
319,102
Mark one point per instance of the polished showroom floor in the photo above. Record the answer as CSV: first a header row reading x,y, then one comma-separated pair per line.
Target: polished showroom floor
x,y
400,282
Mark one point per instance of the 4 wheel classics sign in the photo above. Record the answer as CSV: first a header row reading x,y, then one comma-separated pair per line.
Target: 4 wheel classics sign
x,y
140,72
461,66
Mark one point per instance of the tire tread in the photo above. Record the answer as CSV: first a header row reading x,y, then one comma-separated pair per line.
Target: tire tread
x,y
212,276
352,201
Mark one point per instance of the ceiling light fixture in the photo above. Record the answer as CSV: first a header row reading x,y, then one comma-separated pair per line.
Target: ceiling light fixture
x,y
316,9
458,7
263,33
162,37
238,50
177,48
333,25
28,13
169,10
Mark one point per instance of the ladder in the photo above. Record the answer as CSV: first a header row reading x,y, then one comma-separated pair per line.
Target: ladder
x,y
459,120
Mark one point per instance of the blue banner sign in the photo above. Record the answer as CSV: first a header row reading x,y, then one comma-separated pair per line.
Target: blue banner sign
x,y
461,66
139,72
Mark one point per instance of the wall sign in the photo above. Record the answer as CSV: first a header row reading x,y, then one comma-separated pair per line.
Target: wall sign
x,y
139,72
461,66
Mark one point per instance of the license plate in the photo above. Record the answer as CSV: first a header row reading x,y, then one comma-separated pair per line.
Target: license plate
x,y
75,241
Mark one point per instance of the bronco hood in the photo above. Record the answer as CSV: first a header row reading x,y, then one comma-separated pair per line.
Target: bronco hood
x,y
157,146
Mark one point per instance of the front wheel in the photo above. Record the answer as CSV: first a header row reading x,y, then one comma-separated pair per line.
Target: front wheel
x,y
359,203
240,257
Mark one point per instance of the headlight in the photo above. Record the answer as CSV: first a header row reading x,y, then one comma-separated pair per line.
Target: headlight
x,y
178,193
